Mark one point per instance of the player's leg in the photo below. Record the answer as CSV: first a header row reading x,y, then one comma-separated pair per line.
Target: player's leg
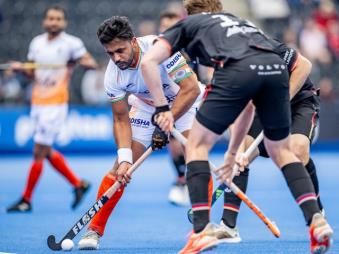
x,y
273,109
96,228
305,119
178,193
228,97
39,154
231,201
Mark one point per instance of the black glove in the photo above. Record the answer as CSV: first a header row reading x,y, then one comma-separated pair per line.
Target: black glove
x,y
159,139
157,111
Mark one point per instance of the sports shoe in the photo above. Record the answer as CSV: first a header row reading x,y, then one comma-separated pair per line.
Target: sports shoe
x,y
206,239
79,193
227,234
178,194
320,234
89,241
22,206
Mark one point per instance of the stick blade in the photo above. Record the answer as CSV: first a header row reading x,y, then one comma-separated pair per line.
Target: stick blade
x,y
52,244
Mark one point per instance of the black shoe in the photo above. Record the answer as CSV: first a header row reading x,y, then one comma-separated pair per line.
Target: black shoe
x,y
79,193
22,206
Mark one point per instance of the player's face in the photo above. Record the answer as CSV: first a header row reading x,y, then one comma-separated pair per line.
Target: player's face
x,y
121,52
54,22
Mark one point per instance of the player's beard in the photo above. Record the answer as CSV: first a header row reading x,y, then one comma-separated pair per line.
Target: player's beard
x,y
54,31
123,65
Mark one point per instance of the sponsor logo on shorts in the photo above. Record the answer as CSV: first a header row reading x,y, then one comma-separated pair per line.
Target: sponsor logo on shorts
x,y
173,61
139,122
265,70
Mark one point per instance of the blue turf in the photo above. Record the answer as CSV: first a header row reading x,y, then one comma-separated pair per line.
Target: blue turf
x,y
144,222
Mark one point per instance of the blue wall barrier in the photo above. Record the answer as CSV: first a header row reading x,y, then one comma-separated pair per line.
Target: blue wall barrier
x,y
89,129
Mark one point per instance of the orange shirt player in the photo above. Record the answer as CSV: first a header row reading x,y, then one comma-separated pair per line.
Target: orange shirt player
x,y
49,100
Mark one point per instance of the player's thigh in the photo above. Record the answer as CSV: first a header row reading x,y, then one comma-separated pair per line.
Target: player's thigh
x,y
233,87
252,134
142,127
49,120
272,101
305,117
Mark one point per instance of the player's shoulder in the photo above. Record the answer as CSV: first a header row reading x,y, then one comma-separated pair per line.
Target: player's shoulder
x,y
40,38
70,39
145,42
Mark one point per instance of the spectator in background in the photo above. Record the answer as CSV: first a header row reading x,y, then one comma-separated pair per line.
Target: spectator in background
x,y
168,19
10,88
325,14
92,86
333,38
313,42
147,27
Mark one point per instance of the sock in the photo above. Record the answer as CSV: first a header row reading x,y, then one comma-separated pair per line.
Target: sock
x,y
301,186
180,166
99,221
198,181
33,177
310,167
232,202
59,163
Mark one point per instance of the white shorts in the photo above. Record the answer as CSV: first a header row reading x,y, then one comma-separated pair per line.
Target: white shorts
x,y
47,121
142,127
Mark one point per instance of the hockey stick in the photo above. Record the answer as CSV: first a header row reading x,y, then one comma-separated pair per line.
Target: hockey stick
x,y
223,187
29,66
272,227
91,212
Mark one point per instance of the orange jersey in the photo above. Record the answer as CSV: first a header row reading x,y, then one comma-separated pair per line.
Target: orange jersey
x,y
51,85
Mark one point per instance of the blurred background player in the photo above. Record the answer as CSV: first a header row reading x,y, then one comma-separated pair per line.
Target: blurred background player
x,y
133,129
178,193
49,100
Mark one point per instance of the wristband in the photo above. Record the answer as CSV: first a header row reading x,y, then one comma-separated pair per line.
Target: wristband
x,y
125,154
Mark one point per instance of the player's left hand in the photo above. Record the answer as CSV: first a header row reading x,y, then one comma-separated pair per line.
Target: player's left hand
x,y
163,118
159,139
225,172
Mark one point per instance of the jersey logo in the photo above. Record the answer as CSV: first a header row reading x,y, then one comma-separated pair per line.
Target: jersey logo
x,y
111,95
140,122
165,86
253,66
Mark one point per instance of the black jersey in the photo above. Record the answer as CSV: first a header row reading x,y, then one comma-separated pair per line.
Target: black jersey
x,y
217,37
290,57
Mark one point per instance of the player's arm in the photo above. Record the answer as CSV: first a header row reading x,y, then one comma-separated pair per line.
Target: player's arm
x,y
151,74
183,75
121,125
299,73
87,61
20,67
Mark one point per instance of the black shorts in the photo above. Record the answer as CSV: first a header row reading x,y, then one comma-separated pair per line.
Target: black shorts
x,y
305,117
262,78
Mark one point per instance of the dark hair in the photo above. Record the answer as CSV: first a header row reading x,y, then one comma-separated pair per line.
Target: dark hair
x,y
115,27
57,8
169,15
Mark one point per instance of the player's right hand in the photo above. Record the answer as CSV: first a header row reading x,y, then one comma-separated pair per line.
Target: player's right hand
x,y
16,66
121,173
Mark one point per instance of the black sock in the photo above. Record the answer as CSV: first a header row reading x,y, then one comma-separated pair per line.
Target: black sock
x,y
179,164
232,202
300,184
198,177
313,174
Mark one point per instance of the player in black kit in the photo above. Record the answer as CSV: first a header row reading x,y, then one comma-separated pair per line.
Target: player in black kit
x,y
247,71
305,113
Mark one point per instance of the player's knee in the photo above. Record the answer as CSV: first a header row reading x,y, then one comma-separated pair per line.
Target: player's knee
x,y
277,134
301,150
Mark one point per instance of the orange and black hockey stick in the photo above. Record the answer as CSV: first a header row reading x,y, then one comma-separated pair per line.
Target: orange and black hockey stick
x,y
235,189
